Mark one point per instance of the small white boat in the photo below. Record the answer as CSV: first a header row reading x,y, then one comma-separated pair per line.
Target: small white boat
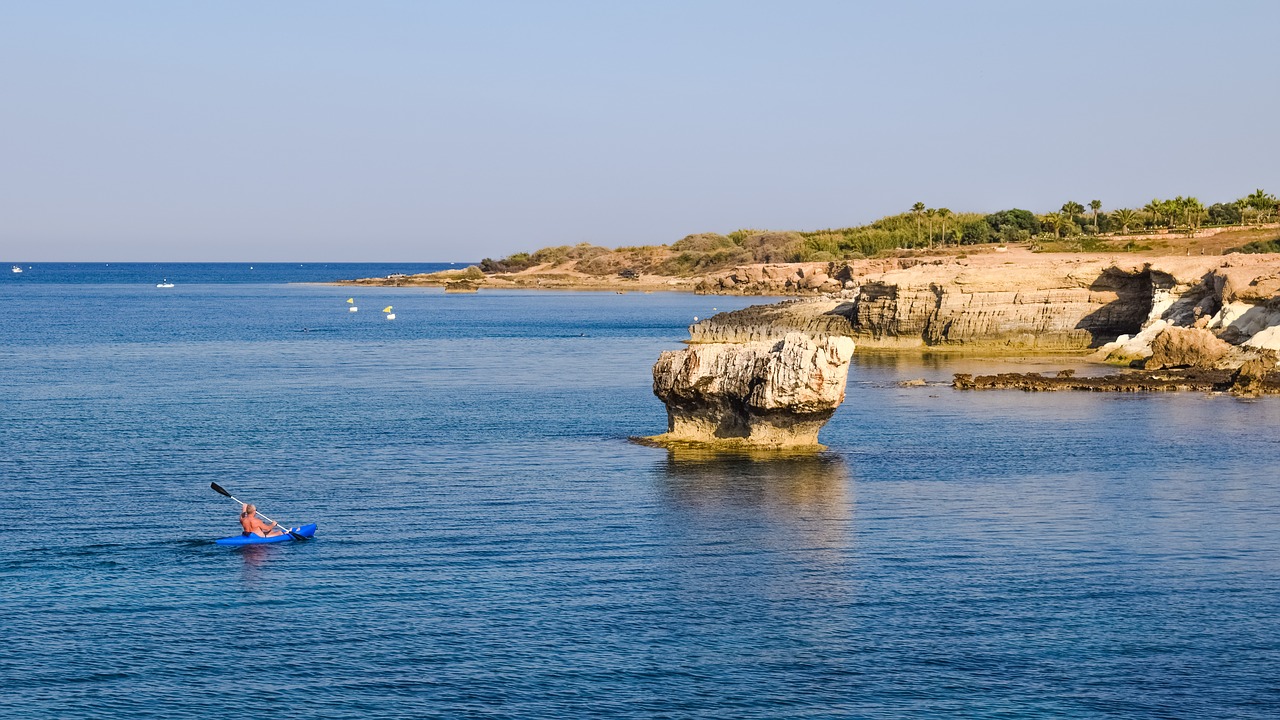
x,y
17,269
165,284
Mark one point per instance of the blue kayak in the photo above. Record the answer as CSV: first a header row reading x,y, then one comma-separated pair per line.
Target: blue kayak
x,y
304,531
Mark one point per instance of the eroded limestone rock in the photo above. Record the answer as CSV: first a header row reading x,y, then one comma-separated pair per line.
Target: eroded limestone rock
x,y
1186,347
1251,377
760,394
1117,306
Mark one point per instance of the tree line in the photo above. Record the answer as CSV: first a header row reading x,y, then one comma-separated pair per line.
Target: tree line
x,y
1179,213
919,227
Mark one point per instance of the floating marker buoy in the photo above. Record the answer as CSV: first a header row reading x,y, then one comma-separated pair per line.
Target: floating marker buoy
x,y
386,309
391,316
695,318
350,300
353,308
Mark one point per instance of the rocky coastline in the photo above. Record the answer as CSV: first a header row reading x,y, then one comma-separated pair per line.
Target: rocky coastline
x,y
1203,313
1167,312
1251,379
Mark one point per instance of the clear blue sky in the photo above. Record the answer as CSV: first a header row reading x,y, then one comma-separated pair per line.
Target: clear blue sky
x,y
347,131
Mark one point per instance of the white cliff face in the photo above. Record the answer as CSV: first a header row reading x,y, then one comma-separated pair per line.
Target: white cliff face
x,y
761,394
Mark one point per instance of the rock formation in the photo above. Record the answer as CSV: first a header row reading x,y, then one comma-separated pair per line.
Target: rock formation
x,y
1178,347
1117,306
461,286
1251,378
769,393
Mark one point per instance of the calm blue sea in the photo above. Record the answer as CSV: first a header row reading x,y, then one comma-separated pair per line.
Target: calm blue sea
x,y
492,546
204,273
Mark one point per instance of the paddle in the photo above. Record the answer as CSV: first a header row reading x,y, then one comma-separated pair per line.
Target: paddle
x,y
218,489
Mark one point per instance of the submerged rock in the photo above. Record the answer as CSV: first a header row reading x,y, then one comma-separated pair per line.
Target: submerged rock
x,y
759,394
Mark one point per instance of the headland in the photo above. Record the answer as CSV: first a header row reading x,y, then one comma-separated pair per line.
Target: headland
x,y
1150,290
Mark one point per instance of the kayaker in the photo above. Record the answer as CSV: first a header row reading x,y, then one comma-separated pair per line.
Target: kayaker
x,y
253,526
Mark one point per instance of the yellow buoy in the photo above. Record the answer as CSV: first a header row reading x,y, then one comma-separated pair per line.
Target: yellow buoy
x,y
386,309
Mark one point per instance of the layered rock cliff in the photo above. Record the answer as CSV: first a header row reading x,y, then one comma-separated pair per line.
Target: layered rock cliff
x,y
774,393
1038,304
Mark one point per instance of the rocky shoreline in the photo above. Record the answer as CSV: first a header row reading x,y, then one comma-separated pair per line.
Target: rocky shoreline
x,y
1154,313
1251,379
1207,314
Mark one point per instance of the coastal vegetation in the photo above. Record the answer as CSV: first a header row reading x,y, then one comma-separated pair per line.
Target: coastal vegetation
x,y
1072,227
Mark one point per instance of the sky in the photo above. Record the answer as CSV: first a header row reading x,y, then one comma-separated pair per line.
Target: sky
x,y
443,131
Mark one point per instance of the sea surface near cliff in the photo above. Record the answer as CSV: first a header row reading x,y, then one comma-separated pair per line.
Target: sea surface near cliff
x,y
491,545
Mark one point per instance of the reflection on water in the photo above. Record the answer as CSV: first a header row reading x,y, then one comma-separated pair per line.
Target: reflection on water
x,y
942,366
254,556
759,529
893,360
808,495
799,484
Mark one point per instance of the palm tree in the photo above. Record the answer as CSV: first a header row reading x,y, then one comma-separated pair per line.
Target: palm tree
x,y
1193,209
1095,206
1263,203
1241,205
1153,208
1172,209
944,213
1056,221
1069,211
929,213
917,210
1125,217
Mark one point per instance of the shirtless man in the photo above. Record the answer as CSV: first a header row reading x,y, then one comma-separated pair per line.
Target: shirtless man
x,y
253,526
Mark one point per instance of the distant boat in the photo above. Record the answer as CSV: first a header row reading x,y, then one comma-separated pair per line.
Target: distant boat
x,y
17,269
165,284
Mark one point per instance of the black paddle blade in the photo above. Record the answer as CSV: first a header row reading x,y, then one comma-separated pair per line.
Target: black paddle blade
x,y
296,536
218,489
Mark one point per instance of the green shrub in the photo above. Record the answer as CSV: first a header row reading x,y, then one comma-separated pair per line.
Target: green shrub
x,y
974,232
702,242
511,263
1258,246
774,247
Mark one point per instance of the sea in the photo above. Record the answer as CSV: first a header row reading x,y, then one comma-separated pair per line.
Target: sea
x,y
492,545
